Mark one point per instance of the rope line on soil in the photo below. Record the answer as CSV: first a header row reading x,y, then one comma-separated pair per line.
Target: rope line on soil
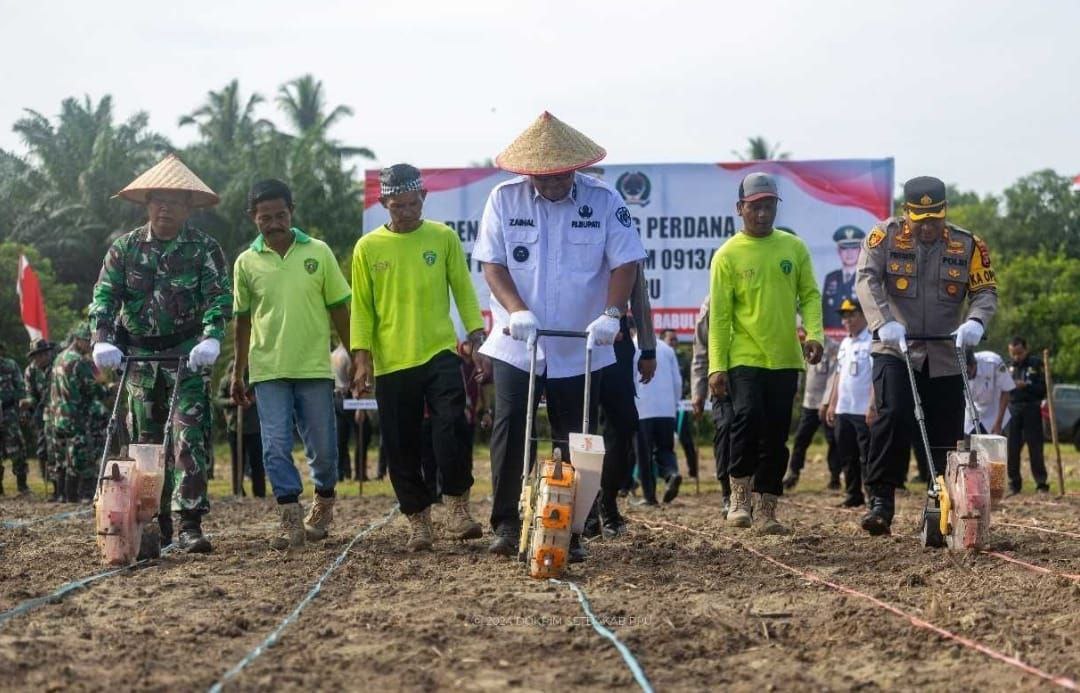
x,y
624,651
1039,529
1063,681
275,634
63,590
993,554
15,524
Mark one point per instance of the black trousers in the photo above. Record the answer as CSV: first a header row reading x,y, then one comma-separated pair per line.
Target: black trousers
x,y
429,467
1025,428
363,444
895,430
346,429
565,401
655,440
401,397
761,401
853,444
809,421
722,414
252,463
684,426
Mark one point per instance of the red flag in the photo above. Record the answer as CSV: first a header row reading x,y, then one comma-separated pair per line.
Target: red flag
x,y
31,302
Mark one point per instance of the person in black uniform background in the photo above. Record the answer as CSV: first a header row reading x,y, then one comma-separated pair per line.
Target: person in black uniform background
x,y
1025,424
840,284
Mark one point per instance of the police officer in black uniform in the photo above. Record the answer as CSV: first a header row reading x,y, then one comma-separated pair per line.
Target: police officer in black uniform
x,y
840,284
1025,417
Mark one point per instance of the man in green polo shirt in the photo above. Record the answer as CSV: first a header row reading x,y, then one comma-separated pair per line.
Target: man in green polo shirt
x,y
759,280
288,289
403,274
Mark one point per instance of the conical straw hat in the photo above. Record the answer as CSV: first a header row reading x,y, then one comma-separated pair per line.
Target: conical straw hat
x,y
170,174
547,147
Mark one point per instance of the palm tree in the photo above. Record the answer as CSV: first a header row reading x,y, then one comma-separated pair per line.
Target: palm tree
x,y
304,107
225,122
758,149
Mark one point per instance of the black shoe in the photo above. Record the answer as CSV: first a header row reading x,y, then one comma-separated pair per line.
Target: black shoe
x,y
612,524
834,483
506,541
56,495
592,527
71,489
673,483
1012,492
86,490
878,521
644,502
577,553
1041,488
20,483
853,502
166,525
790,480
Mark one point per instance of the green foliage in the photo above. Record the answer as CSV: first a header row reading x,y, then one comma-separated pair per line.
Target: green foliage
x,y
1039,299
13,336
759,149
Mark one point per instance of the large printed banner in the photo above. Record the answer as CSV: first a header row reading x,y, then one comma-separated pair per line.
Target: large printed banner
x,y
684,212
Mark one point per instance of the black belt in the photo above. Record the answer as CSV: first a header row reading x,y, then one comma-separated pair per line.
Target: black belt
x,y
158,342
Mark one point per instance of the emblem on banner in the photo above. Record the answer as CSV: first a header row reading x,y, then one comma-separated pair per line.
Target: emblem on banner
x,y
635,188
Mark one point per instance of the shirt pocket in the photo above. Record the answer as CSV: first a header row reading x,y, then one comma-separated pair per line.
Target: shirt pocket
x,y
900,276
954,279
586,249
522,247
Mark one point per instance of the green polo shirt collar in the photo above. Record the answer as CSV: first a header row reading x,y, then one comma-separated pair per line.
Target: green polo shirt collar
x,y
259,244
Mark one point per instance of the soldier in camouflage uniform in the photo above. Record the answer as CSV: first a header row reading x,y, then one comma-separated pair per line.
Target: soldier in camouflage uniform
x,y
72,392
12,391
37,375
164,288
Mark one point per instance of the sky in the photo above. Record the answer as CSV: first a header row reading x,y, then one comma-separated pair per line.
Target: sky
x,y
977,93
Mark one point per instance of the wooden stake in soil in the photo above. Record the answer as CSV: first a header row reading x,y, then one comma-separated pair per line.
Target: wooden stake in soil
x,y
1053,419
238,461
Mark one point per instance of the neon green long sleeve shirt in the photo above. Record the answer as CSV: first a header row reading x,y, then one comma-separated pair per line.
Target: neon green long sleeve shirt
x,y
756,287
401,295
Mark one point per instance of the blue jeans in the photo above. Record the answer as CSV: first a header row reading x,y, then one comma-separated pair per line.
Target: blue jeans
x,y
306,406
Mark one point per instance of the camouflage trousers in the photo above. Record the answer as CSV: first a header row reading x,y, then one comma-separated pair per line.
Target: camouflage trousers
x,y
73,455
11,442
150,387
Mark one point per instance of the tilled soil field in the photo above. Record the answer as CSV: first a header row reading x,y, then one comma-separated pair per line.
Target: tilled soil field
x,y
697,606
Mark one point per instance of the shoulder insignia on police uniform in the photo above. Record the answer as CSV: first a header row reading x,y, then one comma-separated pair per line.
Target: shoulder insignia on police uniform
x,y
875,238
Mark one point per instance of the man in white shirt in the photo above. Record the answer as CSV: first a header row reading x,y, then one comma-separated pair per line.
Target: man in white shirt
x,y
657,407
559,251
850,398
990,387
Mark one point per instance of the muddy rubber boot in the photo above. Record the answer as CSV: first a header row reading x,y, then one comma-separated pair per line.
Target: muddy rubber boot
x,y
506,541
459,523
766,503
166,526
317,522
71,488
577,552
740,513
293,532
191,537
20,484
421,535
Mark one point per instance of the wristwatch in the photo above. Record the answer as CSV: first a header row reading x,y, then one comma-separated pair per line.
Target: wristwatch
x,y
613,312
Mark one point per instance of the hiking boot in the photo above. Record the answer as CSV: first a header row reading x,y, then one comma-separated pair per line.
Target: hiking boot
x,y
421,534
878,521
739,515
612,524
766,505
24,490
506,541
317,522
791,479
673,483
577,553
293,532
459,523
191,537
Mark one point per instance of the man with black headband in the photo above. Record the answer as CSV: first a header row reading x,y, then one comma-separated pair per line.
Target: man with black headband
x,y
915,275
404,339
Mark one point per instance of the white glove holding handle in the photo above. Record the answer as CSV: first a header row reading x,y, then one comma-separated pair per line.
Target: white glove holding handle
x,y
107,356
893,334
969,334
523,325
603,331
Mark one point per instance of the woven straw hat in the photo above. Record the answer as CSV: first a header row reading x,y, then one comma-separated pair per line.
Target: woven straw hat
x,y
170,174
547,147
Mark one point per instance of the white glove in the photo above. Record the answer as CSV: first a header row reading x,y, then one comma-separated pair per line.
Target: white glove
x,y
523,325
204,354
107,356
969,334
603,331
893,334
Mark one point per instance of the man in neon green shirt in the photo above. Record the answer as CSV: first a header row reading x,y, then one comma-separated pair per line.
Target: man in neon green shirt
x,y
403,336
759,280
288,289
